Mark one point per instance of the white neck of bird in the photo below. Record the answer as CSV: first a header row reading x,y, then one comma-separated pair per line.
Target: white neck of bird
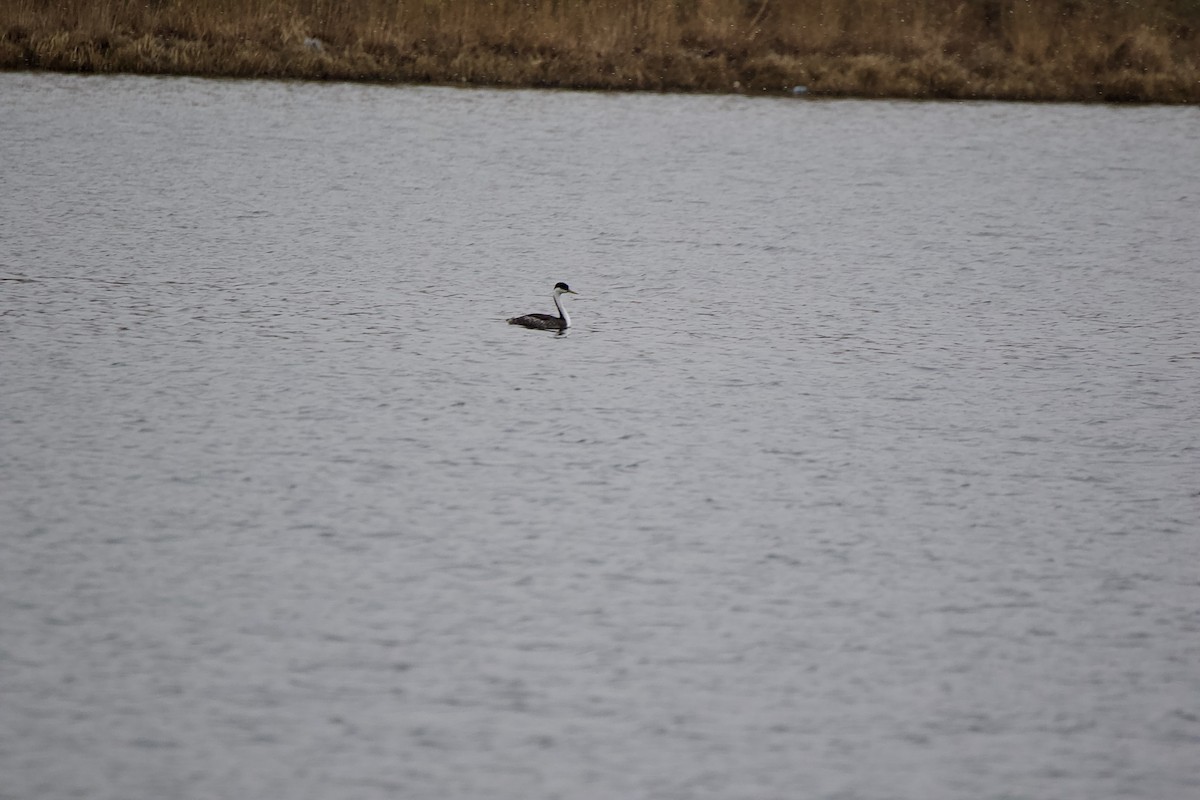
x,y
562,312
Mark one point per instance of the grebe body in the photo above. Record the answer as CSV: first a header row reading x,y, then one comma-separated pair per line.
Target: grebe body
x,y
546,322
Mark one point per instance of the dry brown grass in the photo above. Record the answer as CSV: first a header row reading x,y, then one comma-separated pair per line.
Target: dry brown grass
x,y
1011,49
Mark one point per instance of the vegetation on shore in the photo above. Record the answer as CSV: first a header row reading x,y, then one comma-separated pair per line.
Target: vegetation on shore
x,y
1077,50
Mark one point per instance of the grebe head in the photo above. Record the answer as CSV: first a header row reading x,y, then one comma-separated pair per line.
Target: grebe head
x,y
562,288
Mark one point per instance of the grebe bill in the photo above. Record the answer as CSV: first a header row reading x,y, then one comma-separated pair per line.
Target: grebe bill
x,y
545,322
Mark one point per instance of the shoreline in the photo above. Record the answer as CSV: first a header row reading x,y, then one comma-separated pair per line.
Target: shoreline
x,y
1060,51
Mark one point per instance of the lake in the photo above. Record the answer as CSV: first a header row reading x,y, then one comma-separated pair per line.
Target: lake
x,y
869,468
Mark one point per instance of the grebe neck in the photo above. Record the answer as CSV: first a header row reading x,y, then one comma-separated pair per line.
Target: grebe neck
x,y
562,312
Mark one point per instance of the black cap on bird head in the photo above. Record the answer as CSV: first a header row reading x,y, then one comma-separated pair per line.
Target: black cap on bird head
x,y
563,287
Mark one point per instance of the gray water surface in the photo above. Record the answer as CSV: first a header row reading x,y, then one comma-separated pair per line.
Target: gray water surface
x,y
869,469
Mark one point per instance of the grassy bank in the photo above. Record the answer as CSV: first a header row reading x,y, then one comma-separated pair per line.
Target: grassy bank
x,y
1082,50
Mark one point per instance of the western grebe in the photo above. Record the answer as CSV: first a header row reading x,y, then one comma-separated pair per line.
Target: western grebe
x,y
545,322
